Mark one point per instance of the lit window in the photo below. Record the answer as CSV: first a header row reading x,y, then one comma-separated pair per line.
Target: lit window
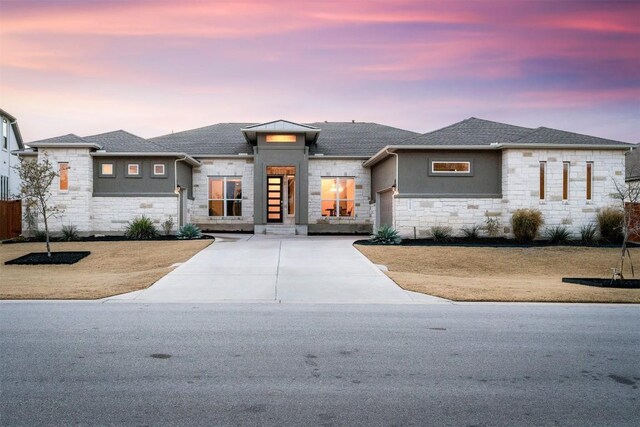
x,y
281,138
5,134
225,196
589,180
543,177
450,167
106,169
565,180
338,197
158,169
64,175
133,169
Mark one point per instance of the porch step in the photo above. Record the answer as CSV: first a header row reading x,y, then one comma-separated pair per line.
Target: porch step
x,y
281,230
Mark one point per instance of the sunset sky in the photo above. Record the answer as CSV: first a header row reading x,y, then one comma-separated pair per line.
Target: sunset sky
x,y
152,67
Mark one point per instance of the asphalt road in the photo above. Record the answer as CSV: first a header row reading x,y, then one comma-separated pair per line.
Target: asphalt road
x,y
305,365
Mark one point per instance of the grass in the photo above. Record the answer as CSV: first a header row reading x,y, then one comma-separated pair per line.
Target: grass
x,y
112,268
503,274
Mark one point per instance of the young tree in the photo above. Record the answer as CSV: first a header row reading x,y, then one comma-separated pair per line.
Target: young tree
x,y
37,177
629,194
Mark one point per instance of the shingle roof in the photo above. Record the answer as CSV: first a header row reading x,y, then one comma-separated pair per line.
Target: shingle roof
x,y
356,139
63,139
632,164
472,131
221,138
544,135
124,142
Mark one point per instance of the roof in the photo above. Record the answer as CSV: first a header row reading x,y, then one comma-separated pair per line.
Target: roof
x,y
221,138
123,142
543,135
632,165
15,127
68,139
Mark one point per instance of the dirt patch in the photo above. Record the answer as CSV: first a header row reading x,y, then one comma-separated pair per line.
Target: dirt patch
x,y
503,274
112,268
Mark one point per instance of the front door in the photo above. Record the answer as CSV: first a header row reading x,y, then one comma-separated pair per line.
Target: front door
x,y
274,198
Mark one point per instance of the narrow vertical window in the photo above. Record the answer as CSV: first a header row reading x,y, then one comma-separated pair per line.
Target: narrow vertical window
x,y
543,171
64,175
5,134
565,180
589,180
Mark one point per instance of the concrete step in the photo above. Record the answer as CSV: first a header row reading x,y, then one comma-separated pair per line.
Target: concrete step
x,y
281,230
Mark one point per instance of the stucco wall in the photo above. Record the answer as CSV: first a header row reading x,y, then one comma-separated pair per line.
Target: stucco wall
x,y
362,221
199,210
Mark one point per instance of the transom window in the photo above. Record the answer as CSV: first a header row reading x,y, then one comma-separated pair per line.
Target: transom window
x,y
338,197
281,138
158,169
133,169
450,167
225,196
106,169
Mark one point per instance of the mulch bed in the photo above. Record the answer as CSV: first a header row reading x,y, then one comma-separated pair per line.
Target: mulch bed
x,y
35,258
604,283
100,239
496,242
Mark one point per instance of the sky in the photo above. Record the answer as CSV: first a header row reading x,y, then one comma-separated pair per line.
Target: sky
x,y
153,67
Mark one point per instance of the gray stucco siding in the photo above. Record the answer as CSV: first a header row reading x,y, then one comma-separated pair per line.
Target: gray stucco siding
x,y
383,176
416,180
185,178
120,184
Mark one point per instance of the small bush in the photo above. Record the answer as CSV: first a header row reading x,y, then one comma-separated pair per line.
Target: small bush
x,y
69,233
167,226
441,233
492,224
189,231
141,228
558,234
385,235
588,234
40,236
610,222
526,223
471,232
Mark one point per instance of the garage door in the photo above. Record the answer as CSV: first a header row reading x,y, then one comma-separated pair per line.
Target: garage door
x,y
386,207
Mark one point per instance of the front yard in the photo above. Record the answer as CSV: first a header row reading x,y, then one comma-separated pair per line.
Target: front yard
x,y
112,268
503,274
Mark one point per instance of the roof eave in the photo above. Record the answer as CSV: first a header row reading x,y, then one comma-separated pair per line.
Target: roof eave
x,y
187,157
386,151
64,145
620,146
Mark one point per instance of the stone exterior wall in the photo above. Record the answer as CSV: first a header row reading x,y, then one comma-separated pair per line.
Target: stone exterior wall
x,y
520,189
110,215
199,211
321,168
75,203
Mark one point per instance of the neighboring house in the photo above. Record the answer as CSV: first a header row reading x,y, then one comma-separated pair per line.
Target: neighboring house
x,y
11,140
285,177
632,165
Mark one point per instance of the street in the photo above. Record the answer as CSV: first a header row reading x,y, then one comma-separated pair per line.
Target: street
x,y
308,364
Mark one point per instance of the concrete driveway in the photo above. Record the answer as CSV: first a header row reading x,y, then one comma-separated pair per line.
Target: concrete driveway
x,y
243,268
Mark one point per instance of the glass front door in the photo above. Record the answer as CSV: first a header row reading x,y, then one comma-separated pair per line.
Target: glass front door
x,y
274,198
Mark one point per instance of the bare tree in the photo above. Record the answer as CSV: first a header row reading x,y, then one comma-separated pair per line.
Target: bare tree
x,y
628,193
37,177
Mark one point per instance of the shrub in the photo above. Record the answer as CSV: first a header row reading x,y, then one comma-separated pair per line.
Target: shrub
x,y
471,232
492,224
69,233
588,234
526,223
167,226
189,231
558,234
441,233
385,235
141,228
610,224
40,236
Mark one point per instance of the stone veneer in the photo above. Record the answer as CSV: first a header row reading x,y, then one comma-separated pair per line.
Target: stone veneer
x,y
520,189
199,209
110,215
329,168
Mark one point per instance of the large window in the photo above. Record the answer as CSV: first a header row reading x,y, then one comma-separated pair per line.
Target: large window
x,y
543,178
338,197
565,180
589,180
63,171
225,196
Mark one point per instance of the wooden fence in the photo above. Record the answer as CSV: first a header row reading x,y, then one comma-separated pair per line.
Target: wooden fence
x,y
635,221
10,219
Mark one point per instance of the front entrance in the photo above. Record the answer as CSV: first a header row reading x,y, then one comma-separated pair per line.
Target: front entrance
x,y
281,194
274,199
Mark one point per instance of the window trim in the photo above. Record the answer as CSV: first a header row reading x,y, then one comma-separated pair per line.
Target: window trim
x,y
542,181
101,174
158,175
433,172
566,177
589,180
224,199
133,175
63,166
337,200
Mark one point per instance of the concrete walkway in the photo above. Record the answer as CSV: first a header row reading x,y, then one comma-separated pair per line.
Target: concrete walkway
x,y
245,268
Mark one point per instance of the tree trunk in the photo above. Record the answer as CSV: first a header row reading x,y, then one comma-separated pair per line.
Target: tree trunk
x,y
46,231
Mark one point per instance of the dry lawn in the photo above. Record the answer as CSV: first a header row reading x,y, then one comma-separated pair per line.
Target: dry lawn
x,y
112,268
503,274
